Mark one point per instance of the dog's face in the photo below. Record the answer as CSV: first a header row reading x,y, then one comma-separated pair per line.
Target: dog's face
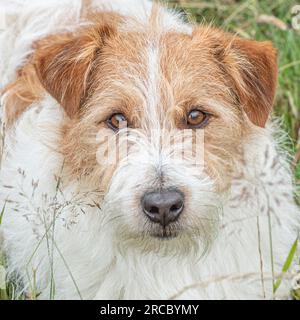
x,y
156,120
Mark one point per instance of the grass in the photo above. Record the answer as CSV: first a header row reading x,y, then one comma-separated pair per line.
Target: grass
x,y
242,17
6,289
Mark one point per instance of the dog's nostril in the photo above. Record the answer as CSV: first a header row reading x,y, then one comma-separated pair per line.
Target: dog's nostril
x,y
176,207
154,210
163,206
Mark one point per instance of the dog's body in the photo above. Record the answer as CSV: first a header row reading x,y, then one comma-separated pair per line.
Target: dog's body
x,y
95,248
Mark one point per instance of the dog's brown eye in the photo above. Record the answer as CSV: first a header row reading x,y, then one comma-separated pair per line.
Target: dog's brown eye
x,y
197,119
117,121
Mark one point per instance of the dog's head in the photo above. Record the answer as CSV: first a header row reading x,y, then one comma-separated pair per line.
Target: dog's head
x,y
155,118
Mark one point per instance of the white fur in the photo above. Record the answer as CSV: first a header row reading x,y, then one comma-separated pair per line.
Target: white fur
x,y
93,253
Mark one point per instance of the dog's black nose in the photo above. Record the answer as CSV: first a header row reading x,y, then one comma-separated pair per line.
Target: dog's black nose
x,y
163,206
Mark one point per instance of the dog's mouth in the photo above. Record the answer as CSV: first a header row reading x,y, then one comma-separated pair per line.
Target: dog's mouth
x,y
165,236
164,233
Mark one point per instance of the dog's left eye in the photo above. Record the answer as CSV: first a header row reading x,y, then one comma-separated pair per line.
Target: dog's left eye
x,y
117,121
197,119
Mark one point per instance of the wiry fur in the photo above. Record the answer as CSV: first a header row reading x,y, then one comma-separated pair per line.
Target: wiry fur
x,y
75,222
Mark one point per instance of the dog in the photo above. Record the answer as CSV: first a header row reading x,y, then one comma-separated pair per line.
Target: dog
x,y
139,158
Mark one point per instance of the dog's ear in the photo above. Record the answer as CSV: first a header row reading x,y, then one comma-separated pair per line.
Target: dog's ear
x,y
63,63
252,66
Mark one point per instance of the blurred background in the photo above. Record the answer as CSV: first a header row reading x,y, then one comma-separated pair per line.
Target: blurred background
x,y
275,20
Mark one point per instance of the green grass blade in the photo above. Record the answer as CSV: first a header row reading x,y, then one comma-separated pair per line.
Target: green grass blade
x,y
2,213
287,264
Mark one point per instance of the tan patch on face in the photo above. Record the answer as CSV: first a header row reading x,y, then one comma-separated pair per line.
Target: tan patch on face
x,y
114,88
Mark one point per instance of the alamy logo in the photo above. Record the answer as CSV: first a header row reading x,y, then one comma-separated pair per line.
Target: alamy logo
x,y
178,146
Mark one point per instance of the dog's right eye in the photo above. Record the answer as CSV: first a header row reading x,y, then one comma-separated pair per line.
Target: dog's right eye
x,y
117,121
